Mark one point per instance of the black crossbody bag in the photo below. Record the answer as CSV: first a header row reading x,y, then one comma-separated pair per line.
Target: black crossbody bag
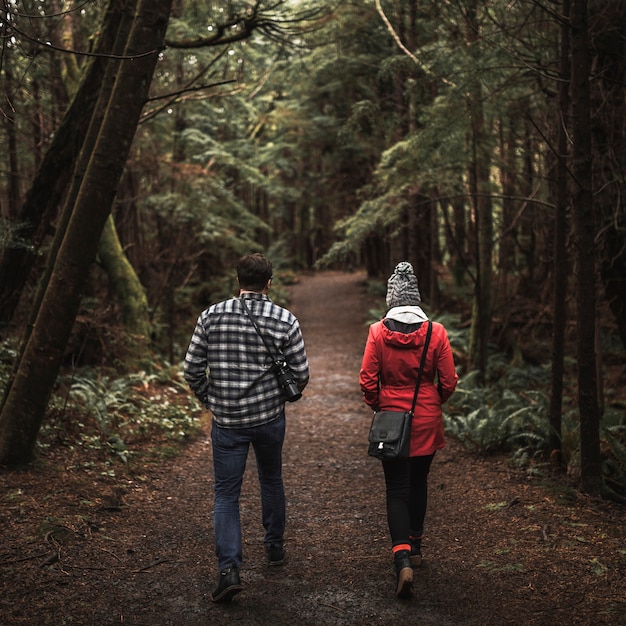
x,y
390,431
280,367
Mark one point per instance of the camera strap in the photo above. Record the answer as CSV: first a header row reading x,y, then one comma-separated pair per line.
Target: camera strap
x,y
256,326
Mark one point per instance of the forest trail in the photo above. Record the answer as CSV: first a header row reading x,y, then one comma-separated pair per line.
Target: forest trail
x,y
501,547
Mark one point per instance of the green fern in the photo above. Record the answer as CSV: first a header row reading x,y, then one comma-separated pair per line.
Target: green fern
x,y
479,430
490,418
130,407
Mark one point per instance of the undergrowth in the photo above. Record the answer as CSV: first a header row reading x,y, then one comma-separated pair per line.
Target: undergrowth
x,y
507,414
117,418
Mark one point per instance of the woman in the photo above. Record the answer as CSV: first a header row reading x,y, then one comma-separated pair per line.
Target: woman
x,y
388,375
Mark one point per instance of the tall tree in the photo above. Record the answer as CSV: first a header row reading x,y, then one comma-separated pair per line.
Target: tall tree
x,y
25,403
560,224
480,194
609,146
582,202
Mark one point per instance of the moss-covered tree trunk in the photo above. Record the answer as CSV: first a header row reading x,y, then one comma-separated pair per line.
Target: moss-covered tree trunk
x,y
131,295
27,398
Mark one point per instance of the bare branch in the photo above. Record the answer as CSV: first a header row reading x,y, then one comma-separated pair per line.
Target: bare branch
x,y
46,45
406,51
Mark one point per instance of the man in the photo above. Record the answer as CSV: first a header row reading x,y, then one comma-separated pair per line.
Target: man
x,y
229,368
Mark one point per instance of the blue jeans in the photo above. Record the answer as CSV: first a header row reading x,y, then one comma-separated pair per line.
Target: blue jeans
x,y
230,453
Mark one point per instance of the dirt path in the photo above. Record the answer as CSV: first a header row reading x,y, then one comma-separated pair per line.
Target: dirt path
x,y
501,548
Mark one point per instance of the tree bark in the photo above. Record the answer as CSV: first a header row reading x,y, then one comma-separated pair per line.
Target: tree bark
x,y
25,404
560,253
609,144
508,152
130,293
481,202
582,201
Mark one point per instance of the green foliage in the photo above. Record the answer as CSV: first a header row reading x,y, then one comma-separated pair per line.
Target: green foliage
x,y
487,423
109,414
511,413
8,354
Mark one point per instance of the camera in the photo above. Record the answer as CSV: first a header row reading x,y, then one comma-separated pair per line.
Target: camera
x,y
285,378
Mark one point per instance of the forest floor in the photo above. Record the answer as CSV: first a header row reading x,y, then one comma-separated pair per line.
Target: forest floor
x,y
501,546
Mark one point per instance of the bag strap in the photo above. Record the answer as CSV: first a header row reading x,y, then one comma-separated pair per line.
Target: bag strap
x,y
422,361
256,326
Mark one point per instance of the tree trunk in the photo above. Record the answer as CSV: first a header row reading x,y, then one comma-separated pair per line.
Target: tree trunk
x,y
582,201
508,155
528,222
560,255
435,255
25,404
128,289
481,202
613,271
88,143
460,241
609,139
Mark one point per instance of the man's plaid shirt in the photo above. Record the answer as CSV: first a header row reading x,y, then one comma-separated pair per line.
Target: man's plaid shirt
x,y
228,367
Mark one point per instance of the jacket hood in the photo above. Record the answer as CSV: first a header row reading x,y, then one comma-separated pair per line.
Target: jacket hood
x,y
409,314
405,340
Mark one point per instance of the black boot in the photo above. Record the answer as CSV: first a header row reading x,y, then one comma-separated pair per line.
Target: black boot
x,y
416,551
404,572
228,585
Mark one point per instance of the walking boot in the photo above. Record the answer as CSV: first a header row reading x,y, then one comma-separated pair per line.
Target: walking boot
x,y
416,551
228,585
404,572
275,554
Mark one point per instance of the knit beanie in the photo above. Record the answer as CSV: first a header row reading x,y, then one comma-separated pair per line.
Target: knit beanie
x,y
402,287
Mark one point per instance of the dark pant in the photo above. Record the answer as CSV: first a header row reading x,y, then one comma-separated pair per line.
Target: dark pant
x,y
230,452
407,496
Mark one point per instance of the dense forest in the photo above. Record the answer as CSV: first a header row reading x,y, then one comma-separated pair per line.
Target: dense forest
x,y
147,144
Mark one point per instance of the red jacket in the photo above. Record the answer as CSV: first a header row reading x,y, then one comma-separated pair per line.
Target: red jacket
x,y
389,372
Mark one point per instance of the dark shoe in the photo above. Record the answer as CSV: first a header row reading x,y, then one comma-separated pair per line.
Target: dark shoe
x,y
275,554
416,552
404,572
228,585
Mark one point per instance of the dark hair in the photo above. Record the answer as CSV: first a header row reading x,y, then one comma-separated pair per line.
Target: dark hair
x,y
253,271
